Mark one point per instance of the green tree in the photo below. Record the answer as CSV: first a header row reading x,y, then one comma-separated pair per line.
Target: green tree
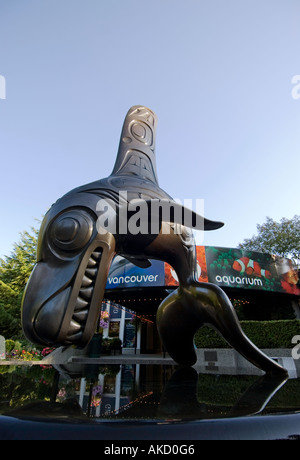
x,y
16,268
10,321
14,273
280,238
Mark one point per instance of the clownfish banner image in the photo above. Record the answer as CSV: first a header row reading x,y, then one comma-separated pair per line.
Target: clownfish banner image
x,y
236,268
251,270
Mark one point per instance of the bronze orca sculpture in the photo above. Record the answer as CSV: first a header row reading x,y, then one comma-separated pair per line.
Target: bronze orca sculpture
x,y
63,296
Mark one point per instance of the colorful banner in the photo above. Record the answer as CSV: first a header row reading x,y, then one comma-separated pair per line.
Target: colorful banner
x,y
125,274
170,274
225,267
241,269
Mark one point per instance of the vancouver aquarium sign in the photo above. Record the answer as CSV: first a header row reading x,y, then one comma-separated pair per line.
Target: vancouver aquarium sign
x,y
225,267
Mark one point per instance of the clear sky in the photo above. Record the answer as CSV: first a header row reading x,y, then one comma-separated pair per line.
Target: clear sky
x,y
218,74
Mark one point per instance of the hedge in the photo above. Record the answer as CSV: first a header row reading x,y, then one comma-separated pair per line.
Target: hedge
x,y
264,334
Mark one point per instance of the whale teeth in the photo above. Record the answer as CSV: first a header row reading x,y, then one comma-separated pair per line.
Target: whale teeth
x,y
81,316
86,281
86,292
74,327
74,337
80,304
81,309
91,272
91,263
96,255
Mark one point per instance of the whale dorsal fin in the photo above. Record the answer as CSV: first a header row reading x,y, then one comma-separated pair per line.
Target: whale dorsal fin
x,y
136,154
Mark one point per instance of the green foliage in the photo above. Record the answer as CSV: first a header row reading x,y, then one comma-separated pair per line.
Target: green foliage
x,y
16,268
111,345
264,334
9,345
25,385
10,321
14,273
10,325
25,351
279,238
7,294
262,309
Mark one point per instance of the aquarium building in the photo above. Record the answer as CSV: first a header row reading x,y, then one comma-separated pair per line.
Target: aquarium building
x,y
260,286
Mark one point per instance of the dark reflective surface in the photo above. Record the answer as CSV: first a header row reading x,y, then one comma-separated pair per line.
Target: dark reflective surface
x,y
90,392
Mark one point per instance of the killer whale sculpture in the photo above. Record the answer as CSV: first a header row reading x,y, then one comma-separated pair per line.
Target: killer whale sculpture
x,y
63,295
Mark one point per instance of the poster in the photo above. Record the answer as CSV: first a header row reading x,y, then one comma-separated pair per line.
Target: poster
x,y
114,329
129,335
225,267
236,268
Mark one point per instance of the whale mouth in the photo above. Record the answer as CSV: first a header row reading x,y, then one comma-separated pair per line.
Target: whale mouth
x,y
69,316
84,298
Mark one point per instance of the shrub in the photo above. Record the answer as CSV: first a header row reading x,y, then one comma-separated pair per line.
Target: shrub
x,y
264,334
9,345
110,345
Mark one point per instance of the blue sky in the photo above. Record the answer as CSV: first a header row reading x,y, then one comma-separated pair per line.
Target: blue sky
x,y
218,74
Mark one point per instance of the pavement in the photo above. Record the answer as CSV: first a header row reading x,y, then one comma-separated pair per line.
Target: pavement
x,y
125,359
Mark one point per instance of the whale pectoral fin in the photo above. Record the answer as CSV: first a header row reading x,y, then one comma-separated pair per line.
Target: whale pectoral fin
x,y
152,212
177,327
182,215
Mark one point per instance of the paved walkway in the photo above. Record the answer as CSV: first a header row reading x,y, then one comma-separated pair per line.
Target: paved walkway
x,y
19,362
109,359
225,361
125,359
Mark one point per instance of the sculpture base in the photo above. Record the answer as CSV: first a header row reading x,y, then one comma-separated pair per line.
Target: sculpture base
x,y
94,347
213,360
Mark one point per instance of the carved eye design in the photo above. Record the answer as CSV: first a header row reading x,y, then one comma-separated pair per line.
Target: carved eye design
x,y
71,230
